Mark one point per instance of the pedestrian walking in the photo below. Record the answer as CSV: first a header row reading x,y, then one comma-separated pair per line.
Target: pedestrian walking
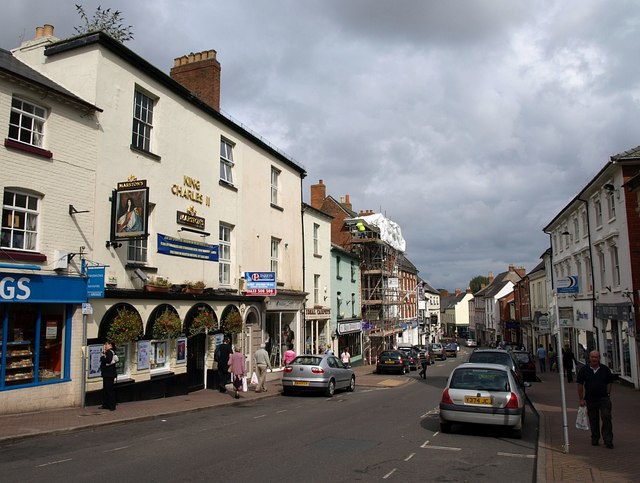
x,y
261,358
329,350
542,358
345,357
237,370
221,356
553,363
424,363
594,391
108,360
567,362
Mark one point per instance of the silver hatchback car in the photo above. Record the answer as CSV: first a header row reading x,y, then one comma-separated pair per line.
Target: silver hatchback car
x,y
317,373
481,393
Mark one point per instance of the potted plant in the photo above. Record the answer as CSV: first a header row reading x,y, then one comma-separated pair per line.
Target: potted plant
x,y
202,323
232,323
194,287
157,284
167,326
125,326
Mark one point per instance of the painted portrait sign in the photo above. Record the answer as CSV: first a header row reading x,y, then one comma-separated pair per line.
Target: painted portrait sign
x,y
130,211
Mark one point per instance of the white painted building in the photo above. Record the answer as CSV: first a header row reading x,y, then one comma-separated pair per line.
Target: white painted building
x,y
45,176
590,242
320,301
216,201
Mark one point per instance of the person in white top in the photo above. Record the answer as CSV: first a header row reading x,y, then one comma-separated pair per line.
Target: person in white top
x,y
345,357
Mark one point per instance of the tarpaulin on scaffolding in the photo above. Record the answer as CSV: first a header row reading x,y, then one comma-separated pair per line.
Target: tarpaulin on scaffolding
x,y
389,230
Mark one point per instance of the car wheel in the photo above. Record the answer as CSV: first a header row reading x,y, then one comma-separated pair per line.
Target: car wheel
x,y
352,384
286,391
517,433
331,388
445,427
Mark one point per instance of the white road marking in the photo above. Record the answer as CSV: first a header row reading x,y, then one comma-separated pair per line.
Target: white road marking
x,y
424,444
53,463
410,456
517,455
281,411
166,437
116,449
444,448
389,474
261,416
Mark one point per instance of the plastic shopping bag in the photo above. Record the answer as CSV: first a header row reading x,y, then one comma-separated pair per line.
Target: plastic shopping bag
x,y
254,379
244,384
582,419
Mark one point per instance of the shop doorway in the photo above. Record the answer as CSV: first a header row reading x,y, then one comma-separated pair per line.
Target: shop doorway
x,y
196,349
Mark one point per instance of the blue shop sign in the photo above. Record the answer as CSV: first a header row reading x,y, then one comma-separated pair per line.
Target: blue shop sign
x,y
168,245
28,288
95,282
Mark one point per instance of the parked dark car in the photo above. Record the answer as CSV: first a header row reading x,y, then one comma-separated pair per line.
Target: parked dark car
x,y
392,361
527,365
437,351
451,349
498,356
412,357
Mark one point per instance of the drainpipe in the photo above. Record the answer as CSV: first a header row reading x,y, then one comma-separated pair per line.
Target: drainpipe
x,y
593,283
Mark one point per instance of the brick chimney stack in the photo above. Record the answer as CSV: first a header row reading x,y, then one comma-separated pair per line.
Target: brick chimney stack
x,y
347,202
458,291
318,194
490,277
199,73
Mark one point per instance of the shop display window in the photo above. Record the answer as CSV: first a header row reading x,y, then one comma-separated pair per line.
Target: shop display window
x,y
33,348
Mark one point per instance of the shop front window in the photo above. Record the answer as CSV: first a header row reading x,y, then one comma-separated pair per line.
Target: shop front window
x,y
33,347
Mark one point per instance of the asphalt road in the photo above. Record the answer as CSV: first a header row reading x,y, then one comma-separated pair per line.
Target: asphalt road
x,y
373,434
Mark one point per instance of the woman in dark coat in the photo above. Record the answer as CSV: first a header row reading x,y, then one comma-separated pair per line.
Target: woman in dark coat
x,y
109,374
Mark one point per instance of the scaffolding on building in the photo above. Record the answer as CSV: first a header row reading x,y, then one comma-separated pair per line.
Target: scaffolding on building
x,y
379,286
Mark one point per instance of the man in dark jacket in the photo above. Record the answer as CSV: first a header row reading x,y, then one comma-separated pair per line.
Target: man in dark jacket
x,y
221,355
108,372
594,390
567,362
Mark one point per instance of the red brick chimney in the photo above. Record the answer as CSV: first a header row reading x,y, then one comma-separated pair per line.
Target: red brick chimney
x,y
458,291
347,202
200,73
318,194
490,277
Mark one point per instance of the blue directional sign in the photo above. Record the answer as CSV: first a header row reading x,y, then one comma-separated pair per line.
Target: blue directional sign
x,y
568,285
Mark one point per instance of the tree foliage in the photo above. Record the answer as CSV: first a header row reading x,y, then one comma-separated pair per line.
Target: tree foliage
x,y
105,20
477,282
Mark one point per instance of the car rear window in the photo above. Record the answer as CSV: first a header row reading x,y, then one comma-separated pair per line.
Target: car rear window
x,y
491,358
481,379
306,361
522,356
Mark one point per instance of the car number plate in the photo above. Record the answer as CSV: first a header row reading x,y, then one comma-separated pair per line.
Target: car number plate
x,y
300,383
485,401
389,362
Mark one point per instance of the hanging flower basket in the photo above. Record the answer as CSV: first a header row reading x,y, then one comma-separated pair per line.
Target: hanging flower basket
x,y
202,323
126,326
232,323
167,326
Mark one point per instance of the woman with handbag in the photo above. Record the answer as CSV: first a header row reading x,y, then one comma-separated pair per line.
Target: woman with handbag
x,y
237,369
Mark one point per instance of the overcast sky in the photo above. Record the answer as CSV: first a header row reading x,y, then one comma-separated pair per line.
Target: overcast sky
x,y
469,123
